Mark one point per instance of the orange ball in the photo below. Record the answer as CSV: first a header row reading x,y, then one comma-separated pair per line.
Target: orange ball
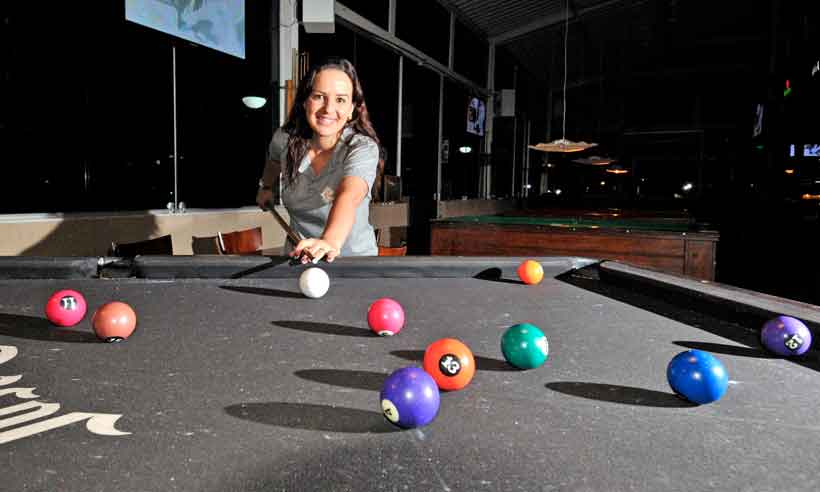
x,y
114,321
450,362
530,272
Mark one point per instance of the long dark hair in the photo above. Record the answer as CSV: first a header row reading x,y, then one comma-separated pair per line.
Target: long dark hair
x,y
299,130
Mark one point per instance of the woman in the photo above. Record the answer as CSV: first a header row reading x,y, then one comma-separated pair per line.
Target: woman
x,y
331,161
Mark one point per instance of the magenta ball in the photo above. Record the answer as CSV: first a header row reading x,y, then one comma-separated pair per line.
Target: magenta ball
x,y
786,336
66,307
385,317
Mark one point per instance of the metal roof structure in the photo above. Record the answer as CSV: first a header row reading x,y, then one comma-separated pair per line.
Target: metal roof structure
x,y
651,32
504,20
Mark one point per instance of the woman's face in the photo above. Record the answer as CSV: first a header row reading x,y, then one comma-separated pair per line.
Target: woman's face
x,y
330,104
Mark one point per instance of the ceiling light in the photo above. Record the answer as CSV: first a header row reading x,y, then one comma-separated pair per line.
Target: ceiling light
x,y
594,160
254,102
562,144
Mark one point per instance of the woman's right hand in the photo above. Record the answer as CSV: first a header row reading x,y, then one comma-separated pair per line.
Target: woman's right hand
x,y
263,198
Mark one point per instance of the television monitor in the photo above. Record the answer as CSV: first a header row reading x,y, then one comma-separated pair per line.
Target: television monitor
x,y
758,128
217,24
811,150
476,114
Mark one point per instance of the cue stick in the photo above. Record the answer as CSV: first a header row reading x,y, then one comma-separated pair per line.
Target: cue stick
x,y
293,235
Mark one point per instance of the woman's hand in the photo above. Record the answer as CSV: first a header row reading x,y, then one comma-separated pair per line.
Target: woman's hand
x,y
316,249
264,197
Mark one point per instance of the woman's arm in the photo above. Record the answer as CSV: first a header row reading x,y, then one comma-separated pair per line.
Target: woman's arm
x,y
348,196
270,179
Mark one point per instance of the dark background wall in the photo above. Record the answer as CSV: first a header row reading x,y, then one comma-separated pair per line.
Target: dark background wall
x,y
668,88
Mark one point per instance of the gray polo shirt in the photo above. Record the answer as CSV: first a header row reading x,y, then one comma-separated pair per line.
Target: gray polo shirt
x,y
309,197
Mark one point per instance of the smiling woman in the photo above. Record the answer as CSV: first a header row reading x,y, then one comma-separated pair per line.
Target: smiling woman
x,y
332,159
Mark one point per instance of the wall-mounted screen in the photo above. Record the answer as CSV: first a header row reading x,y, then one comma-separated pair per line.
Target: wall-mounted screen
x,y
811,150
758,128
217,24
476,114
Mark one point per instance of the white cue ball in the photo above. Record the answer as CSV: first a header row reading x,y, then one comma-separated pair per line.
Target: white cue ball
x,y
314,282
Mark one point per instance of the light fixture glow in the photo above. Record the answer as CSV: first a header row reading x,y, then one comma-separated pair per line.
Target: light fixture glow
x,y
594,160
254,102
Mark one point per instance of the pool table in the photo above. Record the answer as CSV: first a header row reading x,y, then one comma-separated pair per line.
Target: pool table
x,y
668,242
234,381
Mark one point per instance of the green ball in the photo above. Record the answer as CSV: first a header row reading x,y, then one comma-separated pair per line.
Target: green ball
x,y
524,346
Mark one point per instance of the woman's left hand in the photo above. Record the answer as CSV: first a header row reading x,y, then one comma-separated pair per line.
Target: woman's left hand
x,y
316,249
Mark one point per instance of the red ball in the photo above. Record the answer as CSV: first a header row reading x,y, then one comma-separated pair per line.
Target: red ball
x,y
114,321
66,307
450,362
385,317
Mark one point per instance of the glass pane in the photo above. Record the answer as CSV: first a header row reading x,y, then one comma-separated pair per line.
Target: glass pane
x,y
434,38
317,47
376,11
378,70
419,152
223,143
460,167
470,55
99,126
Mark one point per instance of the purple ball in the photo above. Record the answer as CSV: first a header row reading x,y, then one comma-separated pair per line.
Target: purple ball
x,y
409,397
786,336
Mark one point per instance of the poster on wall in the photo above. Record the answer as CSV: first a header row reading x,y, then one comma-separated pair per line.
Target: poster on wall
x,y
758,128
476,113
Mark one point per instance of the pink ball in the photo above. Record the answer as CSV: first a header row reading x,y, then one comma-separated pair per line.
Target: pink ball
x,y
385,317
66,307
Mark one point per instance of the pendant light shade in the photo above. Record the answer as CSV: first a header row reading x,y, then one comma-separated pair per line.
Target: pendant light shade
x,y
562,144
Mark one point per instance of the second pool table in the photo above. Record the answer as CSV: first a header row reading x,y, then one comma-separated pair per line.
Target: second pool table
x,y
668,243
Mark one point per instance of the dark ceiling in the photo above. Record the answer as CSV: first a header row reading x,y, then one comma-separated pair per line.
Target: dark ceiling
x,y
606,37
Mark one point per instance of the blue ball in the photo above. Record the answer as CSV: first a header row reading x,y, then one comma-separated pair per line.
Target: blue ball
x,y
409,397
698,376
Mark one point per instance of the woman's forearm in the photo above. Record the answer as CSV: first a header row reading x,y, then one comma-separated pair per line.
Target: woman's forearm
x,y
340,220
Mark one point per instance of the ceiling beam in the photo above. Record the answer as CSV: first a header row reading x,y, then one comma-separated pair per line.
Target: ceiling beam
x,y
389,40
547,21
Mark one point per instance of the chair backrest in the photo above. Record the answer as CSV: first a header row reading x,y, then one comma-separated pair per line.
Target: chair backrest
x,y
206,245
245,242
162,245
389,250
393,251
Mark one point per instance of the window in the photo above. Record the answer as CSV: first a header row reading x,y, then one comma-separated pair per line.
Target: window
x,y
424,24
470,57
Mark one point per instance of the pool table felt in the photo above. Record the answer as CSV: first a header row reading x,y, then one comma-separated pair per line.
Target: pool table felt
x,y
244,384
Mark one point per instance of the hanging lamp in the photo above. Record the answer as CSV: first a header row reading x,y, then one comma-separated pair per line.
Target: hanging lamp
x,y
562,144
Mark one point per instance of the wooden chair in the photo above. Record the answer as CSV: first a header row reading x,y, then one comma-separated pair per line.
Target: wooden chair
x,y
393,251
206,245
245,242
390,250
158,246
